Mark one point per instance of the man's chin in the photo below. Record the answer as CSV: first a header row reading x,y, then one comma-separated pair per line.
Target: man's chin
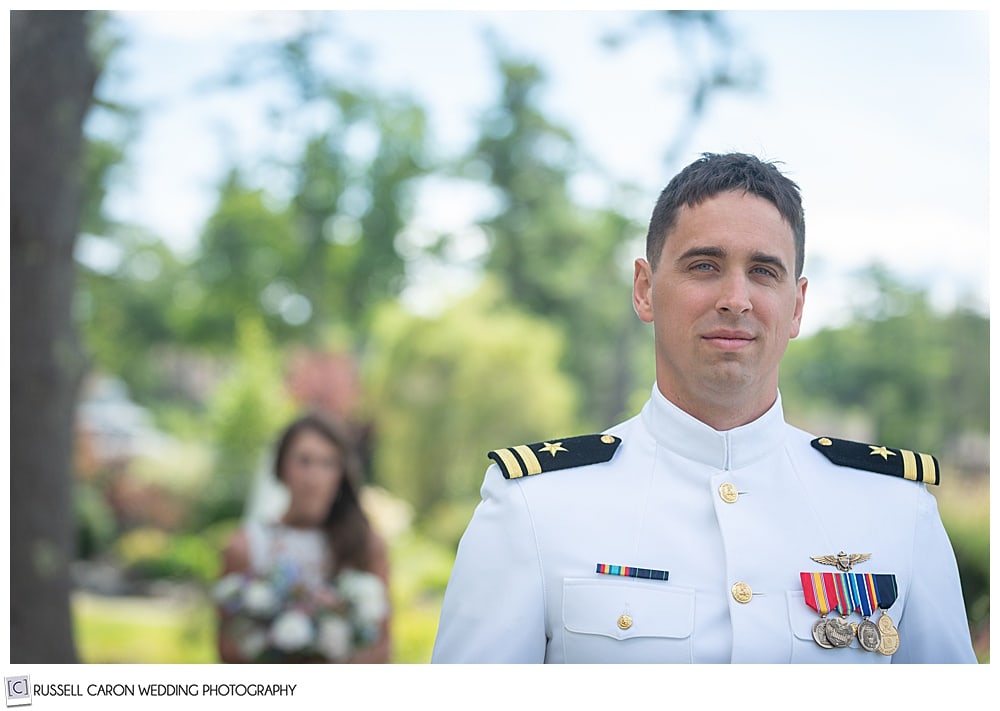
x,y
728,380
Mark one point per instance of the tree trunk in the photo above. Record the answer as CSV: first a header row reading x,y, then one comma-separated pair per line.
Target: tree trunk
x,y
52,79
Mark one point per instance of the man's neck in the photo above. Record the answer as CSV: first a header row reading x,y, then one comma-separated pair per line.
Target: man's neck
x,y
720,415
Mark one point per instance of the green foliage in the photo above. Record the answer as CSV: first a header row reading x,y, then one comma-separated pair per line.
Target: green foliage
x,y
919,376
420,572
143,630
124,309
444,391
420,567
100,158
558,260
447,520
245,412
95,521
350,184
246,249
965,512
151,554
350,207
111,126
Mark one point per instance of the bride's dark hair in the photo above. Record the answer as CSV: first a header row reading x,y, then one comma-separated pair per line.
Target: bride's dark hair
x,y
347,527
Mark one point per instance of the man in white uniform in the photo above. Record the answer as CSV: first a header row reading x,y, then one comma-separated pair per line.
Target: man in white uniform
x,y
706,528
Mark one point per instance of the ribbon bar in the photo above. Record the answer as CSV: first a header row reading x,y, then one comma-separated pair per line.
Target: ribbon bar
x,y
629,571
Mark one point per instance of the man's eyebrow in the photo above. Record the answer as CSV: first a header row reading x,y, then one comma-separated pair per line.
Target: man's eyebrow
x,y
720,253
717,252
771,260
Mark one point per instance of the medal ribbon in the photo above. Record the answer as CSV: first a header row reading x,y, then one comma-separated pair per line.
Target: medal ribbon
x,y
852,582
866,592
845,604
885,589
820,591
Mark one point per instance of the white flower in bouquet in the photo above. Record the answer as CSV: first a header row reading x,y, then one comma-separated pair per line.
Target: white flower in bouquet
x,y
259,598
334,638
227,587
367,595
253,642
292,631
370,610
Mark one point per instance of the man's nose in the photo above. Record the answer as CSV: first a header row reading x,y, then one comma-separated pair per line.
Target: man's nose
x,y
735,295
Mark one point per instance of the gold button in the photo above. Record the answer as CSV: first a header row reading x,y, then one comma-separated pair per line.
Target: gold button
x,y
825,441
608,439
624,622
728,493
742,593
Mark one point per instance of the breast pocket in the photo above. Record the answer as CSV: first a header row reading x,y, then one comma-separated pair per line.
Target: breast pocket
x,y
626,621
805,650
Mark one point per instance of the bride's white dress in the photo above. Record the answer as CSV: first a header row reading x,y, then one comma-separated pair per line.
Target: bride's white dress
x,y
300,552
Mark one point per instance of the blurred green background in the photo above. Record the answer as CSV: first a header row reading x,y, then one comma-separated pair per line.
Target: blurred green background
x,y
295,296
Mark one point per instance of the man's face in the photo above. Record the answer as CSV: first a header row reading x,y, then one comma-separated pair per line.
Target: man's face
x,y
723,301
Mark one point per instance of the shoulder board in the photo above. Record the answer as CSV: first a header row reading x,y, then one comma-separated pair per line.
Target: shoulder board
x,y
903,463
565,453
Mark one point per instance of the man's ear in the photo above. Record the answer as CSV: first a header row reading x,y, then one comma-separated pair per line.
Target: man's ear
x,y
800,300
642,290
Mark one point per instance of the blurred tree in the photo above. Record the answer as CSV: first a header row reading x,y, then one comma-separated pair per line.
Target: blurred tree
x,y
919,376
52,79
361,152
125,276
710,58
245,265
246,411
443,394
559,260
126,307
312,263
350,207
109,130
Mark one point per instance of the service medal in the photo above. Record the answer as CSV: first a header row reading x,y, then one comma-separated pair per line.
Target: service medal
x,y
819,633
869,635
839,632
885,596
889,643
821,595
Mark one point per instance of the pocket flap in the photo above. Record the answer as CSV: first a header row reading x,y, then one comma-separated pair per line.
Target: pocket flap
x,y
801,617
655,610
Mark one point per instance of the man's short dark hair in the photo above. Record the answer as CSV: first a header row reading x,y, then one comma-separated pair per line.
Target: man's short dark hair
x,y
716,173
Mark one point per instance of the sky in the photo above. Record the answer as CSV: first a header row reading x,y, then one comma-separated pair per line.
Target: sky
x,y
881,117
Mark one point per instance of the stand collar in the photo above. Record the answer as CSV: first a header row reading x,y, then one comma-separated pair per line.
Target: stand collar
x,y
676,430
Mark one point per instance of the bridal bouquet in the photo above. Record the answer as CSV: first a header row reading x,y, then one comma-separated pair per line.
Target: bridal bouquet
x,y
279,618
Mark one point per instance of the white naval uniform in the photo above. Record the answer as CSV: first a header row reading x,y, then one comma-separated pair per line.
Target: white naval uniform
x,y
525,589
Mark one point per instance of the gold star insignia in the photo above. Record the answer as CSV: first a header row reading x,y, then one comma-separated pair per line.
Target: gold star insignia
x,y
553,447
882,452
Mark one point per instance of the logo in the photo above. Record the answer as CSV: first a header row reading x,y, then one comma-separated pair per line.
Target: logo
x,y
18,690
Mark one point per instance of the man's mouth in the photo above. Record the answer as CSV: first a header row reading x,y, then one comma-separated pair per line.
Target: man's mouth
x,y
729,340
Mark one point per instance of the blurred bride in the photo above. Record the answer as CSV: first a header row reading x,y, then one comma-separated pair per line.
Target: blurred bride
x,y
322,536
